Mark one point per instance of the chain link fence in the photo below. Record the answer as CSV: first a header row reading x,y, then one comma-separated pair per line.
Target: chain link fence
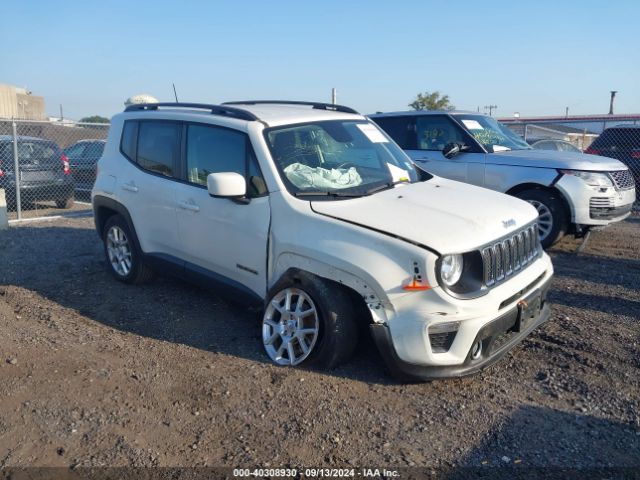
x,y
48,168
622,143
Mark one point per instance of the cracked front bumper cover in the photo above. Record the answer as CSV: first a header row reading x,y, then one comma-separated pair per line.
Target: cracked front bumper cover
x,y
497,336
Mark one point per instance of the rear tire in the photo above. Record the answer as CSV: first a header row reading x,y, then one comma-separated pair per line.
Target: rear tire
x,y
66,203
553,219
309,321
124,259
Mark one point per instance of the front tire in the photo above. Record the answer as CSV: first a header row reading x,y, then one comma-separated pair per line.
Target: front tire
x,y
124,259
553,220
309,321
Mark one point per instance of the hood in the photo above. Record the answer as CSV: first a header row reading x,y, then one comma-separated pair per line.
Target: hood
x,y
554,159
443,215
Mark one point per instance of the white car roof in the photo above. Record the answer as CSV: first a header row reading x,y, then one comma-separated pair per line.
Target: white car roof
x,y
270,113
277,115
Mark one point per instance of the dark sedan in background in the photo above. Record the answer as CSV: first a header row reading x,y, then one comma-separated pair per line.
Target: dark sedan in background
x,y
44,172
83,159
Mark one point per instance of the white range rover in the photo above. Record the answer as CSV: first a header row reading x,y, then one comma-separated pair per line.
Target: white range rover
x,y
313,214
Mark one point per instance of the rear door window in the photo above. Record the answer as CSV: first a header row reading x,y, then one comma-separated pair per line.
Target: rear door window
x,y
401,129
159,146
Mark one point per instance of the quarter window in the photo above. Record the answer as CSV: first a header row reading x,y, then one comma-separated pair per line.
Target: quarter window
x,y
159,146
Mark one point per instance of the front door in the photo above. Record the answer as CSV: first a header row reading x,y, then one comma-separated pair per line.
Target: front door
x,y
219,237
433,133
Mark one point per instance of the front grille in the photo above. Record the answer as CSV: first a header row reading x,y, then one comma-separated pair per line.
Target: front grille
x,y
510,255
623,179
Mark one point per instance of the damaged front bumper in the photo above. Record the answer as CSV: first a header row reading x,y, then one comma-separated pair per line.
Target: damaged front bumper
x,y
492,341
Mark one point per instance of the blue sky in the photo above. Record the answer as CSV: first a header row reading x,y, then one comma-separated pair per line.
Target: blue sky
x,y
532,57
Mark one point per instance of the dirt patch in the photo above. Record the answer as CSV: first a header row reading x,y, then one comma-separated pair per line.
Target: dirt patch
x,y
97,373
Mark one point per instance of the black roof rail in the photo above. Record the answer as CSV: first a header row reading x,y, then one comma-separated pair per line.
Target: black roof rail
x,y
214,109
316,105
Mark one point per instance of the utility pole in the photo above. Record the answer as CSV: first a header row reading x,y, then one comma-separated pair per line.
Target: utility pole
x,y
613,96
491,108
334,96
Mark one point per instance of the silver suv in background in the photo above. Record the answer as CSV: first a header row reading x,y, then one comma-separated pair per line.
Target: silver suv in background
x,y
572,191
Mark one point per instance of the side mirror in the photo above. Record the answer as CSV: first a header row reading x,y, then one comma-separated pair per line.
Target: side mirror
x,y
226,185
450,150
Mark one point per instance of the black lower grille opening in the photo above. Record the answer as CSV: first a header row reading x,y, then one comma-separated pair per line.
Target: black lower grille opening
x,y
441,342
501,340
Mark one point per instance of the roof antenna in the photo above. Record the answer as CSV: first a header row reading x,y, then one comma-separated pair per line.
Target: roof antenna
x,y
174,92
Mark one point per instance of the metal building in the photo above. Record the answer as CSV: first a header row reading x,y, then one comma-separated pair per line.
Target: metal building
x,y
19,103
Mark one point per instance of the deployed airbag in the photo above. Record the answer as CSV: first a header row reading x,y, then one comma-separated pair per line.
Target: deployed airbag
x,y
303,176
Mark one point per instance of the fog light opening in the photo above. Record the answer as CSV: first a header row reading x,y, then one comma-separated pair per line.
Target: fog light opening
x,y
476,350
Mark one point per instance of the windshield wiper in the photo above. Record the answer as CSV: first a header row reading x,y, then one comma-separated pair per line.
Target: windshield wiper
x,y
384,186
327,193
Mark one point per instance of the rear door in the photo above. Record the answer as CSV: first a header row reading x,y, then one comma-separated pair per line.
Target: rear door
x,y
146,184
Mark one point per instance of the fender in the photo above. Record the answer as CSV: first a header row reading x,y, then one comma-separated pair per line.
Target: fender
x,y
288,264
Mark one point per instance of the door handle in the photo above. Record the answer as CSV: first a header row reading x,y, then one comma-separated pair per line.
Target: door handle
x,y
131,187
423,159
189,206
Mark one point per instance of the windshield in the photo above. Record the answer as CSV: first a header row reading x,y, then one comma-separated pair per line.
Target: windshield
x,y
337,158
494,136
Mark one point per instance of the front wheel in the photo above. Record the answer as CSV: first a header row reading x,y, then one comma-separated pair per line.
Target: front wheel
x,y
310,321
553,221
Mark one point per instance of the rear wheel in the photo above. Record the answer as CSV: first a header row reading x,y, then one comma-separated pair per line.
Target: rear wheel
x,y
124,258
309,321
553,220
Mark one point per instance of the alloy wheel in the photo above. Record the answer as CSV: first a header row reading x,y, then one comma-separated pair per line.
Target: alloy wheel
x,y
119,251
290,327
545,219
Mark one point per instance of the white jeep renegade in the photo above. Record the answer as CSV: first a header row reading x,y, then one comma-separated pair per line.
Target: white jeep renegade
x,y
315,215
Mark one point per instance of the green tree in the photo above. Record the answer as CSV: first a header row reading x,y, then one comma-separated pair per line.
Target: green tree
x,y
431,101
94,119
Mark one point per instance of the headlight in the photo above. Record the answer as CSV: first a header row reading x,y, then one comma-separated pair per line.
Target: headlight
x,y
451,269
595,179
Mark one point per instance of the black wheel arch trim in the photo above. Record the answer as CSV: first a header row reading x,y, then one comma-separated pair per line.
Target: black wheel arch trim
x,y
101,202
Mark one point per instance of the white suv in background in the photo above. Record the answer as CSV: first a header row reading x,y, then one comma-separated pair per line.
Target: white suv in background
x,y
313,214
572,191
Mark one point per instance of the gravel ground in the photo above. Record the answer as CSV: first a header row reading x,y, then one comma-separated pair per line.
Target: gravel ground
x,y
96,373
